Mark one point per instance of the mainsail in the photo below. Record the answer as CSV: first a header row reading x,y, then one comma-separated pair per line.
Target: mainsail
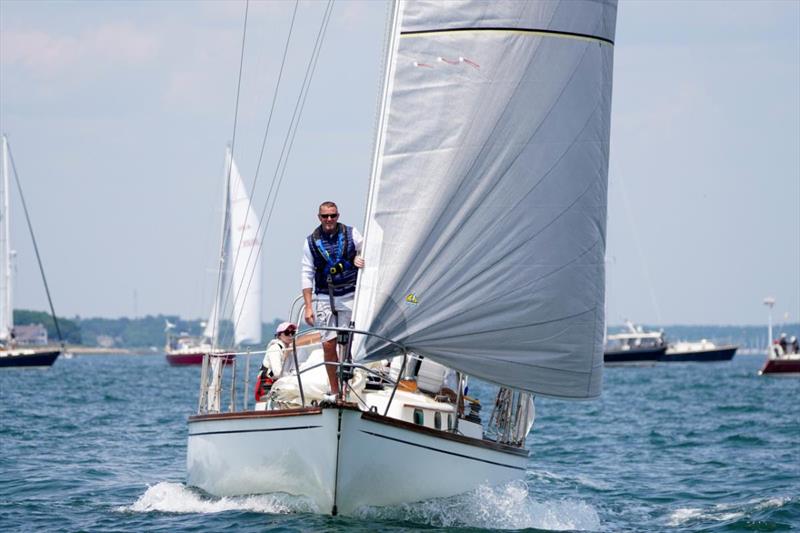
x,y
486,218
240,289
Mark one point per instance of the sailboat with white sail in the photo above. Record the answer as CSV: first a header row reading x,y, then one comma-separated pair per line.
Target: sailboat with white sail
x,y
484,249
11,354
240,284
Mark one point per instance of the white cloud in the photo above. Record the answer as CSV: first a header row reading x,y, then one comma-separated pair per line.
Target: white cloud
x,y
49,55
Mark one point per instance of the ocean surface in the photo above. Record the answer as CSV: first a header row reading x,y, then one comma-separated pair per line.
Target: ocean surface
x,y
98,443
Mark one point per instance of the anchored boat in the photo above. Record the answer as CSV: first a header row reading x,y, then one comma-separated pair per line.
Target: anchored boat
x,y
484,245
702,351
635,346
12,354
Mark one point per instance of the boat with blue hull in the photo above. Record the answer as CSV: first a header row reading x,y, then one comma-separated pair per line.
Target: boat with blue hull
x,y
699,352
12,352
38,357
634,347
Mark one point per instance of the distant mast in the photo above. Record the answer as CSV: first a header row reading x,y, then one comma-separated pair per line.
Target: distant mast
x,y
6,312
769,301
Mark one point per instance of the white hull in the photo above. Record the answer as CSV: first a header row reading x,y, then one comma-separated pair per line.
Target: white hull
x,y
376,461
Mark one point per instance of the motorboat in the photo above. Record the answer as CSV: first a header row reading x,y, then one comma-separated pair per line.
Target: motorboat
x,y
635,346
702,351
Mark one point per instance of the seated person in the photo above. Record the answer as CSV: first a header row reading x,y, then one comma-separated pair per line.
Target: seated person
x,y
272,365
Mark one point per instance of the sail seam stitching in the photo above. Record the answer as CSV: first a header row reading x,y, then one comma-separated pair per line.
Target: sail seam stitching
x,y
535,31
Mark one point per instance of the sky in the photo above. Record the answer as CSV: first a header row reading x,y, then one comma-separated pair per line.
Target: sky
x,y
118,114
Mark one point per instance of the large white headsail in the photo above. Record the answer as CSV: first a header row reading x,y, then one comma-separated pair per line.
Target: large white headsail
x,y
244,262
485,233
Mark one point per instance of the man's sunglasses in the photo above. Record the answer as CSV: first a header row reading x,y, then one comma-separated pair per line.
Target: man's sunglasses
x,y
334,215
289,332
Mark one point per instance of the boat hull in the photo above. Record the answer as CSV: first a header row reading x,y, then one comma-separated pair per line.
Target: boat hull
x,y
637,356
722,353
191,359
29,358
340,458
784,367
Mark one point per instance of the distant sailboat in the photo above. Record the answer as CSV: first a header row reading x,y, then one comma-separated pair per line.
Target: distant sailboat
x,y
484,248
10,353
240,279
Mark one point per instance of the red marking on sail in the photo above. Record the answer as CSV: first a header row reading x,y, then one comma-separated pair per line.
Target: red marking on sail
x,y
468,62
425,65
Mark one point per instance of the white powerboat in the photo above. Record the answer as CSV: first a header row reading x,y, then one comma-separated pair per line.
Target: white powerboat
x,y
635,346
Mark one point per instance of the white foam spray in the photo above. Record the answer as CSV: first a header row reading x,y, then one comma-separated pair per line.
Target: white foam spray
x,y
509,506
169,497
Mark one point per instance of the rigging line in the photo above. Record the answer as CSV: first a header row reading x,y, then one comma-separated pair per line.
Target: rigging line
x,y
642,260
289,139
35,246
263,146
294,126
218,307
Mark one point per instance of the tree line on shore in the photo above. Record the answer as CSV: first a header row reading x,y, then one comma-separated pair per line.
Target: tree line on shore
x,y
140,332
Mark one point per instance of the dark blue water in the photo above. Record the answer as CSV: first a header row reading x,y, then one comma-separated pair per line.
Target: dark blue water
x,y
99,443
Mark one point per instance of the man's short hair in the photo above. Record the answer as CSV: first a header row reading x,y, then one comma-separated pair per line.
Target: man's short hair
x,y
328,204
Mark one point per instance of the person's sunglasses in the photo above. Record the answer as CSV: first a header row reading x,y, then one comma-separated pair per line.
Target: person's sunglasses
x,y
334,215
289,332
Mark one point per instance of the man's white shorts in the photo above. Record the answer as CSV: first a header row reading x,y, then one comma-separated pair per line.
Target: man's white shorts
x,y
323,317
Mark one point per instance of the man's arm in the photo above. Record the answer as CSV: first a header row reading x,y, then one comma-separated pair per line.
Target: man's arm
x,y
309,314
307,282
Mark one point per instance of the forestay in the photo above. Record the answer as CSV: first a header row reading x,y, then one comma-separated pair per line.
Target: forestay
x,y
486,218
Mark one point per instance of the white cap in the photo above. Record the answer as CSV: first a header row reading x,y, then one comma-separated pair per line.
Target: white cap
x,y
283,326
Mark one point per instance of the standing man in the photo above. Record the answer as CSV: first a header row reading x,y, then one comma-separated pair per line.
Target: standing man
x,y
330,269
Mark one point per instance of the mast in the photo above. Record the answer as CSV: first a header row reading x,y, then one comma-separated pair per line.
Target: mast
x,y
214,321
769,301
214,391
6,311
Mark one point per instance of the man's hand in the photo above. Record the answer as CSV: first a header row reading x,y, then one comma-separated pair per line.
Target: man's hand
x,y
358,261
309,316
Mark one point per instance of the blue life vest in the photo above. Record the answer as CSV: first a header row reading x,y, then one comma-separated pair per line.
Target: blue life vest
x,y
333,256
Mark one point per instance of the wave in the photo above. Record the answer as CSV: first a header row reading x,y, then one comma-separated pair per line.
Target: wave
x,y
726,512
543,476
508,506
169,497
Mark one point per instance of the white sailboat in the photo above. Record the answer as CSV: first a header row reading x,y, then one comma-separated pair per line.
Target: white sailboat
x,y
10,353
239,289
484,250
